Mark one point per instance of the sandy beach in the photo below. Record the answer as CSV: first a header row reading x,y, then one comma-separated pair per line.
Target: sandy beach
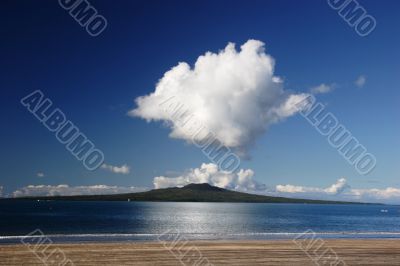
x,y
277,252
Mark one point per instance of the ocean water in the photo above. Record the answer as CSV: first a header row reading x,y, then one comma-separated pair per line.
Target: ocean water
x,y
143,221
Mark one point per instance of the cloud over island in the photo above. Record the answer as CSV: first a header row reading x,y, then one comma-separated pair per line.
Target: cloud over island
x,y
242,181
234,94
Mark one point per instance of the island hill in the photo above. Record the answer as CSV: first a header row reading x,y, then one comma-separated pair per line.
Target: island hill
x,y
190,193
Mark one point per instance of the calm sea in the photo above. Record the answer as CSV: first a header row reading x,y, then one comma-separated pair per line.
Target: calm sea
x,y
136,221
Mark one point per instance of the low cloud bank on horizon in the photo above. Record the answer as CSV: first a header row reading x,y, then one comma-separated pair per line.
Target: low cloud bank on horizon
x,y
66,190
233,94
241,181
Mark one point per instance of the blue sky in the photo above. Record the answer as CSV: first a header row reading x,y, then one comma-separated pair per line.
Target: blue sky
x,y
95,81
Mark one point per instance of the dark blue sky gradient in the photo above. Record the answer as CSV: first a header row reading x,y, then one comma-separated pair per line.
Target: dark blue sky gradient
x,y
95,81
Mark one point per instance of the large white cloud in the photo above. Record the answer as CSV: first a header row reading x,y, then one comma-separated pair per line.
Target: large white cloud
x,y
233,94
209,173
66,190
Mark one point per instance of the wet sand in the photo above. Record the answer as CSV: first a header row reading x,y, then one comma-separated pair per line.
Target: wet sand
x,y
276,252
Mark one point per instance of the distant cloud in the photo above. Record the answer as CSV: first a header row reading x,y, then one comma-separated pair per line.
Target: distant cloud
x,y
241,181
342,191
124,169
360,81
334,189
40,174
244,181
338,187
386,195
209,173
322,88
66,190
233,94
1,191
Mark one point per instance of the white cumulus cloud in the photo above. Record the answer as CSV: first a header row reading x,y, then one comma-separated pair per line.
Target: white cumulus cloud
x,y
124,169
66,190
209,173
233,94
338,187
40,174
